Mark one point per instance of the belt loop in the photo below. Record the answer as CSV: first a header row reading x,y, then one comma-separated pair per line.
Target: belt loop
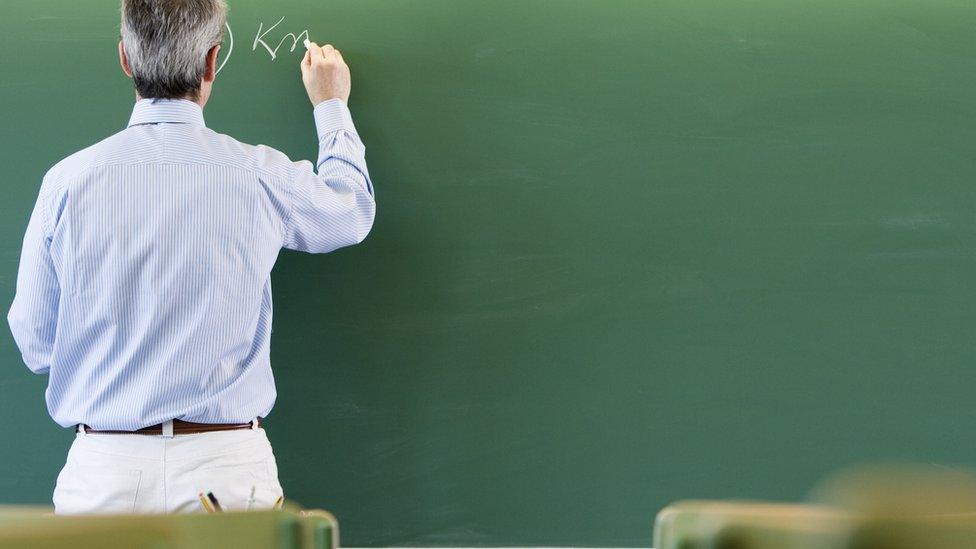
x,y
81,429
168,429
254,424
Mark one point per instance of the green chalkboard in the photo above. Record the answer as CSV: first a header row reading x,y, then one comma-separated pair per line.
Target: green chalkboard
x,y
625,251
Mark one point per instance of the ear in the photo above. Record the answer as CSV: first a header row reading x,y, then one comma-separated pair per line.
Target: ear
x,y
211,73
124,60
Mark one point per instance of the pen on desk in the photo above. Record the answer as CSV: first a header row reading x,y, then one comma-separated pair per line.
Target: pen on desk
x,y
206,503
213,501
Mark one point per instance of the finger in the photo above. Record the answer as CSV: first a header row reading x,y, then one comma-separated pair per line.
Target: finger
x,y
307,60
328,48
315,50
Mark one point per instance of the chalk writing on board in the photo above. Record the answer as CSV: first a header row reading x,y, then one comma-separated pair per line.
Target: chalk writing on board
x,y
290,41
230,47
295,40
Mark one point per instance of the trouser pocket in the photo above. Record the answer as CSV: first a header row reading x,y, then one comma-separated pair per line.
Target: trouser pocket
x,y
240,486
82,490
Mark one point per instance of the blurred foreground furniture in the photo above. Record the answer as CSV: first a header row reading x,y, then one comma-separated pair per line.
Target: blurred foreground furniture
x,y
38,528
743,525
955,531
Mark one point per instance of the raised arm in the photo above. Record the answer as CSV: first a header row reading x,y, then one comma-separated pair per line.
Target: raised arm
x,y
331,206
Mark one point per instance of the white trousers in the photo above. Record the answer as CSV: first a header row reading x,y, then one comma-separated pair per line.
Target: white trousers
x,y
165,474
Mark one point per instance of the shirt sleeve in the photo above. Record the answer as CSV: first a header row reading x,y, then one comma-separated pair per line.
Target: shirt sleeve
x,y
33,315
332,205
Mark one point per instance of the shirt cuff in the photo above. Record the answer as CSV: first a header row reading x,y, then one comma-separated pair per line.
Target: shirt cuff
x,y
332,116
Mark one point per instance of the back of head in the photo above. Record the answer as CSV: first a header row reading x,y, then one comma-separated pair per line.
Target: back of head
x,y
166,42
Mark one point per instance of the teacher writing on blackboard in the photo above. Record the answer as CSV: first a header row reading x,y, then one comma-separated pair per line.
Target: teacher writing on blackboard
x,y
144,287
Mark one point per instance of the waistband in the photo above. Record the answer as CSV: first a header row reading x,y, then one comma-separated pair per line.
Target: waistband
x,y
174,427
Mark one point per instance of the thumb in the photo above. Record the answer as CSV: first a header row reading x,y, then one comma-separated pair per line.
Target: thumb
x,y
313,49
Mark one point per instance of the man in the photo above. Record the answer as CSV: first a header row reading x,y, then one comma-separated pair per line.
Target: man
x,y
144,286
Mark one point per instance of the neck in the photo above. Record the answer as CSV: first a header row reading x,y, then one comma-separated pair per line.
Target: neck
x,y
198,99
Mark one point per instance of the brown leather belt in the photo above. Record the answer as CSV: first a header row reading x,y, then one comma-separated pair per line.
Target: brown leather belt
x,y
180,427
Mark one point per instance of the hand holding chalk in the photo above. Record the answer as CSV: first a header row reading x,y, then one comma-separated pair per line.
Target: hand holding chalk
x,y
325,73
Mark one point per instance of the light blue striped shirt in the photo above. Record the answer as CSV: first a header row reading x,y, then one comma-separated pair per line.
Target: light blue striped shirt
x,y
144,287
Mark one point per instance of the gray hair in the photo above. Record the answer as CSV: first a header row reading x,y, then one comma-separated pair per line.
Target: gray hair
x,y
167,42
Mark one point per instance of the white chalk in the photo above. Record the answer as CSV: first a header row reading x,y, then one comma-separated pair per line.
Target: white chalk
x,y
307,45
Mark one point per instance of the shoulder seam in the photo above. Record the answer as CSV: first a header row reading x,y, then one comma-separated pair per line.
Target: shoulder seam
x,y
289,227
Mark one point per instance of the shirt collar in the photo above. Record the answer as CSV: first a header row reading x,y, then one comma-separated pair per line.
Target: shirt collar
x,y
154,111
